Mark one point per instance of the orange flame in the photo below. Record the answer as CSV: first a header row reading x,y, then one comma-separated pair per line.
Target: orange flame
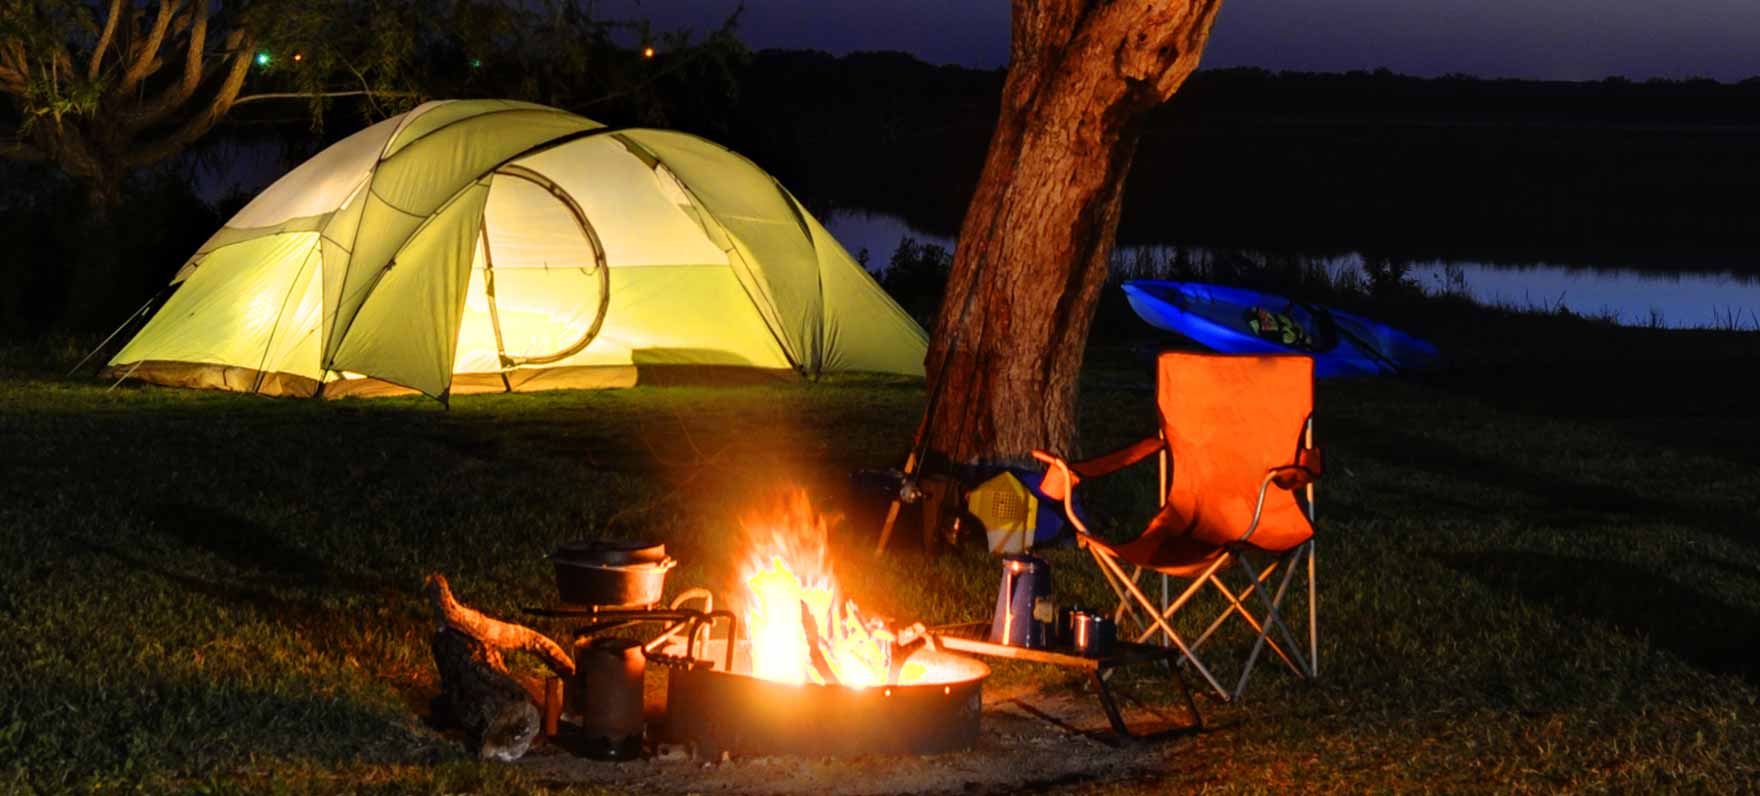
x,y
798,629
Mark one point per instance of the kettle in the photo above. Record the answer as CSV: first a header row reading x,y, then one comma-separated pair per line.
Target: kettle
x,y
1025,611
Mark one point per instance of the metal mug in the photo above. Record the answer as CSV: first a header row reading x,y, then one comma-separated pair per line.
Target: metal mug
x,y
1091,634
1025,613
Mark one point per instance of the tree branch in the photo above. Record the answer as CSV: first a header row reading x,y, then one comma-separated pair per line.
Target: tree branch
x,y
143,57
11,78
494,632
192,64
176,94
281,95
205,119
110,21
14,63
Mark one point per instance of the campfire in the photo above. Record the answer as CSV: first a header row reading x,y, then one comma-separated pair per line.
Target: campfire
x,y
809,658
800,627
800,669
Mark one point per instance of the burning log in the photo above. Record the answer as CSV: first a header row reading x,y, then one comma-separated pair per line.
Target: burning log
x,y
815,652
477,692
475,688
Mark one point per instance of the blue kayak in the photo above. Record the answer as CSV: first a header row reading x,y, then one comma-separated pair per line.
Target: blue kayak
x,y
1241,321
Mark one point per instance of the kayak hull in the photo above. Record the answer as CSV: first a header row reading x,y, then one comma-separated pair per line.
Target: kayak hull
x,y
1213,316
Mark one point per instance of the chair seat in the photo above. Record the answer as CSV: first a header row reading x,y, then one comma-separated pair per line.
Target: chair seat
x,y
1181,557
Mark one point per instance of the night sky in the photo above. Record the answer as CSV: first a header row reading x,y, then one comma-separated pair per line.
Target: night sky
x,y
1546,39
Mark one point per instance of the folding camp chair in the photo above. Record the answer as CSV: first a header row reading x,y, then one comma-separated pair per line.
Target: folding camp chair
x,y
1237,438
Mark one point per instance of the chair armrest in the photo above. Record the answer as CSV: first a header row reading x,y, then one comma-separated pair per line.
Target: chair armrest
x,y
1060,478
1059,484
1093,468
1304,471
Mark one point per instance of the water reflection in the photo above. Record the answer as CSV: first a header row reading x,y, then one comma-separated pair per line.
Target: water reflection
x,y
1711,299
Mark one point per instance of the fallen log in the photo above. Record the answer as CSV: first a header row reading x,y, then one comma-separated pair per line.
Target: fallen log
x,y
475,688
494,632
476,691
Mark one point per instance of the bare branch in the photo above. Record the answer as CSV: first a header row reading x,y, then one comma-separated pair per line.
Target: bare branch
x,y
143,57
449,612
110,21
205,119
176,94
12,78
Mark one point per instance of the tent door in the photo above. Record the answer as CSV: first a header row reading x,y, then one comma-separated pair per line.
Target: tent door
x,y
537,275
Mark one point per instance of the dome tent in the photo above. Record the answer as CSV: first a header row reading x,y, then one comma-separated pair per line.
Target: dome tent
x,y
485,245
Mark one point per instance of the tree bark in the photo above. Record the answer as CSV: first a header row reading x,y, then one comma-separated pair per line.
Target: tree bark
x,y
475,688
476,691
1034,246
504,635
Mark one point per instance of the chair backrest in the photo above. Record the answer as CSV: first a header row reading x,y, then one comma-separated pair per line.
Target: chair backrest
x,y
1227,419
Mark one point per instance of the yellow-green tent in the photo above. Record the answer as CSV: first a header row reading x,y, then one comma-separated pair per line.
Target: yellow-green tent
x,y
472,246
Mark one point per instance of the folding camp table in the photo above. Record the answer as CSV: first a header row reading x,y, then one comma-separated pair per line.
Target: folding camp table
x,y
971,638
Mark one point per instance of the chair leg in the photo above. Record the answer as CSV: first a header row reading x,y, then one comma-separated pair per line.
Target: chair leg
x,y
1235,606
1313,616
1232,609
1271,618
1124,601
1143,599
1294,561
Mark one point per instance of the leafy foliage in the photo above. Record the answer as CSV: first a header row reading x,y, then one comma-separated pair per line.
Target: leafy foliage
x,y
102,89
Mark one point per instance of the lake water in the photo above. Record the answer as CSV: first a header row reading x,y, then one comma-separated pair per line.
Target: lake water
x,y
1685,299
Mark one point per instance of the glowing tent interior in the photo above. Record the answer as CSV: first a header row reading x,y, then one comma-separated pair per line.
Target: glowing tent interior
x,y
486,245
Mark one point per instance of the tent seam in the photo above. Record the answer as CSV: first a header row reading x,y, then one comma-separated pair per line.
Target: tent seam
x,y
257,385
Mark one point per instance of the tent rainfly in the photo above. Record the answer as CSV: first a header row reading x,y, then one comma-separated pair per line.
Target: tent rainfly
x,y
474,246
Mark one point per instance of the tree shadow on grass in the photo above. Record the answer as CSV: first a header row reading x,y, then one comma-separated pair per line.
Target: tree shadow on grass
x,y
240,542
200,725
1566,503
1707,633
1659,398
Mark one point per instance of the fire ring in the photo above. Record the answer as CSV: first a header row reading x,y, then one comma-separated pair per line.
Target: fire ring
x,y
734,712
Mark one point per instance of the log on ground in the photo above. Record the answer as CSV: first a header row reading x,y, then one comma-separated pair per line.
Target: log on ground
x,y
476,691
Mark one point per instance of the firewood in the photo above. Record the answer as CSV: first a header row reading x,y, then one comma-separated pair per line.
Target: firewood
x,y
476,691
494,632
815,654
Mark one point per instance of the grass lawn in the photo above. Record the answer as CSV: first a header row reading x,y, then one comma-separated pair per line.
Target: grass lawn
x,y
1540,570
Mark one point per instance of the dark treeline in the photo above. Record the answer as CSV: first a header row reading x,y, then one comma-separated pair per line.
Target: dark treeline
x,y
1660,174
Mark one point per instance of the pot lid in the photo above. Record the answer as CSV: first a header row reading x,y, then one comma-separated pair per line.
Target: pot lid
x,y
610,551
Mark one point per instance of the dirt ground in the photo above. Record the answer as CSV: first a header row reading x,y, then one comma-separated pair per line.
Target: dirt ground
x,y
1030,738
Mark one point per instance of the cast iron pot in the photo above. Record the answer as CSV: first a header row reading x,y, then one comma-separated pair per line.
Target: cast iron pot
x,y
608,572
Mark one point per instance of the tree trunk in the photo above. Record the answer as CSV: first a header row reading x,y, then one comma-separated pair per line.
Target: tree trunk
x,y
1034,246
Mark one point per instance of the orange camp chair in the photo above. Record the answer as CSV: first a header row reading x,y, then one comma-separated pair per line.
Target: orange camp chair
x,y
1237,435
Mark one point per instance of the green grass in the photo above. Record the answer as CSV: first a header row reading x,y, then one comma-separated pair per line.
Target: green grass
x,y
1540,570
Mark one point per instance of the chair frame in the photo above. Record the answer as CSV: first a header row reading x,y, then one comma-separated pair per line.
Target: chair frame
x,y
1155,618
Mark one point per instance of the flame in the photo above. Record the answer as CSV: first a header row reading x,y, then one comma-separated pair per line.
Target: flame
x,y
799,630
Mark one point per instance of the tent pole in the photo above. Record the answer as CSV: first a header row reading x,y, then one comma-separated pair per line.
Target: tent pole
x,y
130,319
